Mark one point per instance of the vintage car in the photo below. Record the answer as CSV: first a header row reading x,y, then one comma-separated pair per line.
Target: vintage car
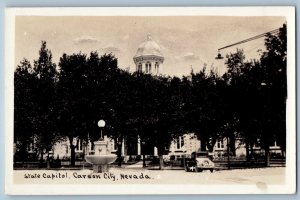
x,y
198,162
204,164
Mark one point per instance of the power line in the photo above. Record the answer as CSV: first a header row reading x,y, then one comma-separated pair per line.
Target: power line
x,y
276,31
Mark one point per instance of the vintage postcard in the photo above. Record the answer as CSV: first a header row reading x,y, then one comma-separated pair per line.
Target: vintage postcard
x,y
150,100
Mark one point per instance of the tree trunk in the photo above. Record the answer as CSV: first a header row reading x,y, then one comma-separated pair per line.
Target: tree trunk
x,y
48,161
160,158
119,152
161,162
247,152
144,160
228,153
232,145
252,151
72,147
202,144
267,156
143,152
84,149
283,153
42,155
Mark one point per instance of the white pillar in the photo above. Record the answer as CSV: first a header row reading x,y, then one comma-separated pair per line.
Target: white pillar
x,y
124,153
155,151
123,148
139,146
152,68
143,67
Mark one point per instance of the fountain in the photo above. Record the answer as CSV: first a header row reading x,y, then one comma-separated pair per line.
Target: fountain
x,y
102,157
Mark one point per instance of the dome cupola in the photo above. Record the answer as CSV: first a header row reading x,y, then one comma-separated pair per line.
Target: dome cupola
x,y
148,57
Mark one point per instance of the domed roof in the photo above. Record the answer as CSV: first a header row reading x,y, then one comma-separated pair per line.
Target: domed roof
x,y
149,48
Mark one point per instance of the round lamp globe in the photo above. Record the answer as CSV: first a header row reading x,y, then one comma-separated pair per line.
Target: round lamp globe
x,y
101,123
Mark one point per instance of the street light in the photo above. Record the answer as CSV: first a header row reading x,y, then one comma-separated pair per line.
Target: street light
x,y
266,113
101,124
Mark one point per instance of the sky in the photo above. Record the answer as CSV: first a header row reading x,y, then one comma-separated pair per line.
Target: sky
x,y
187,42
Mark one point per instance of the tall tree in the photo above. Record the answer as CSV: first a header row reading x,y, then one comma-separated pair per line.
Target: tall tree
x,y
274,64
71,94
24,109
207,115
45,99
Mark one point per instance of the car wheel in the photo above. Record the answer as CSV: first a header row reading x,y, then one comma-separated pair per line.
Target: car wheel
x,y
211,170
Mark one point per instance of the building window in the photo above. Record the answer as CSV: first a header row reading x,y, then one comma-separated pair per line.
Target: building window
x,y
148,67
156,67
80,145
140,67
220,144
179,143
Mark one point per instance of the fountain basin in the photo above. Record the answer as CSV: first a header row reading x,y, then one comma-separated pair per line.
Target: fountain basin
x,y
101,159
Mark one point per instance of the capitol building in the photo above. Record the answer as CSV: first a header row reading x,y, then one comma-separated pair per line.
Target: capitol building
x,y
149,60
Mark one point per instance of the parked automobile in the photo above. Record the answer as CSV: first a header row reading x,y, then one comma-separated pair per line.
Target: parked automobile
x,y
198,162
204,164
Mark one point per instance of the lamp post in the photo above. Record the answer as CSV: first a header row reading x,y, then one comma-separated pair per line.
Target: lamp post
x,y
266,114
101,124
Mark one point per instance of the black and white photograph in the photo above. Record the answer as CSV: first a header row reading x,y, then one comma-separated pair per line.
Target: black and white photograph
x,y
150,100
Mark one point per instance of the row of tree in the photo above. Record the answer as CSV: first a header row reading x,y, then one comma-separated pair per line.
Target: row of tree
x,y
53,102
